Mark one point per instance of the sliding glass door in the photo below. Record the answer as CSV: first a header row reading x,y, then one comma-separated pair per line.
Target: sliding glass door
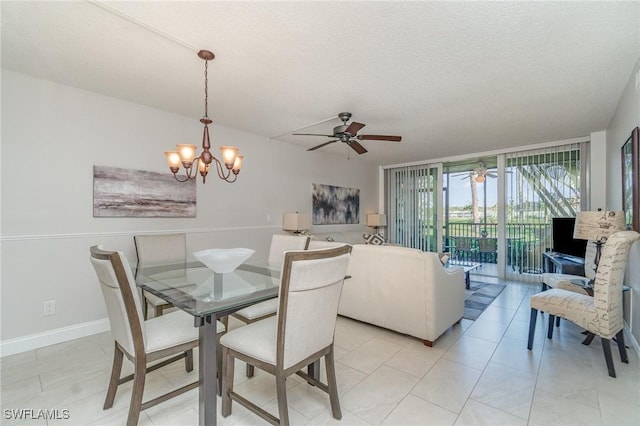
x,y
539,185
533,186
413,199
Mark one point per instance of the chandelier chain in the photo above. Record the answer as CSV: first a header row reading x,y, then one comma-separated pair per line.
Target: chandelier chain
x,y
206,90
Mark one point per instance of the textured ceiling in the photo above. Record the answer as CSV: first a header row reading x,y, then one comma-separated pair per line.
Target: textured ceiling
x,y
450,77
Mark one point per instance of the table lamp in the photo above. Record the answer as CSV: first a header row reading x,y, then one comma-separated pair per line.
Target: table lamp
x,y
597,226
376,221
296,222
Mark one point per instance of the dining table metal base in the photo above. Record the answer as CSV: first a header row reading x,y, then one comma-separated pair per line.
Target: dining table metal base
x,y
207,363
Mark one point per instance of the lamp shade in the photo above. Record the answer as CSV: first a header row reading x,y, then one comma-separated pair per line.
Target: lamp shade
x,y
598,225
296,221
376,220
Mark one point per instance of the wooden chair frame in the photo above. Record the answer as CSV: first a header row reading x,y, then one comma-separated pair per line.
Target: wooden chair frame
x,y
139,358
250,368
278,370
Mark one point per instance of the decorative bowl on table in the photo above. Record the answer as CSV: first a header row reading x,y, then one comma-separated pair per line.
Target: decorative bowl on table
x,y
223,261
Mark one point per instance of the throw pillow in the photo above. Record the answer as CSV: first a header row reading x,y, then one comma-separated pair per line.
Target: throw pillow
x,y
375,239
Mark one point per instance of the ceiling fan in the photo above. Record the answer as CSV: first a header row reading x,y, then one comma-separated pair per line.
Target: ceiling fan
x,y
349,135
479,174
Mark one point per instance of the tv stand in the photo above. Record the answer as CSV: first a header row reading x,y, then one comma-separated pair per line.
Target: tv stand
x,y
560,263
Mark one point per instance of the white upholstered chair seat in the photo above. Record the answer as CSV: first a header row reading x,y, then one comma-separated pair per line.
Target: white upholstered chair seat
x,y
577,308
258,311
171,329
154,300
563,281
259,340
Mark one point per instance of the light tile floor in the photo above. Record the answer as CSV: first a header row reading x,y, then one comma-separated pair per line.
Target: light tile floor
x,y
477,373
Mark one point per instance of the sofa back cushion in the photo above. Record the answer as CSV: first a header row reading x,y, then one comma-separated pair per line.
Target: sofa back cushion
x,y
386,288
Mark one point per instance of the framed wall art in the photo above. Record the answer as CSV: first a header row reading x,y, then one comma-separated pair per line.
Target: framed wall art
x,y
631,180
138,193
335,205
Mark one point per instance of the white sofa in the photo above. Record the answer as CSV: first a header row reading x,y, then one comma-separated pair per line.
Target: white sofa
x,y
402,289
349,237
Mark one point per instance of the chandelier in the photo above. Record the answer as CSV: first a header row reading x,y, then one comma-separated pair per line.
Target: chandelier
x,y
185,154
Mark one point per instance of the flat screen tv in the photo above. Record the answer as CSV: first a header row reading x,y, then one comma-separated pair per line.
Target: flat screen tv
x,y
563,241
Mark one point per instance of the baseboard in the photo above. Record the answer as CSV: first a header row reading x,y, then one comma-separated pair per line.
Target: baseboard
x,y
51,337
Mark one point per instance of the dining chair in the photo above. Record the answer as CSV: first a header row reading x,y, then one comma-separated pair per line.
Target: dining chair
x,y
600,314
301,333
153,250
280,243
143,342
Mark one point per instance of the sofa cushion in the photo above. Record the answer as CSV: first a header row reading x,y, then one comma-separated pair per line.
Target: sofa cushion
x,y
349,237
375,239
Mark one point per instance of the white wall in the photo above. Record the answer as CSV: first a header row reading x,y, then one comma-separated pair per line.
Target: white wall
x,y
52,135
626,117
597,170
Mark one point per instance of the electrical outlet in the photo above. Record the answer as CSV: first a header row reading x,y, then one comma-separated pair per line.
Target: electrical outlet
x,y
49,307
269,219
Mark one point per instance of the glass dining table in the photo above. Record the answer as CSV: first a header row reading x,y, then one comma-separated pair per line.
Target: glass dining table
x,y
209,296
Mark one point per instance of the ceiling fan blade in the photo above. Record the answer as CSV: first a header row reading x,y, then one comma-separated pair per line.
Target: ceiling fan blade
x,y
357,147
311,134
321,145
354,128
380,138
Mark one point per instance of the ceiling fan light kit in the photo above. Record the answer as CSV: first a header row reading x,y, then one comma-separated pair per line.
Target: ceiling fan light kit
x,y
349,134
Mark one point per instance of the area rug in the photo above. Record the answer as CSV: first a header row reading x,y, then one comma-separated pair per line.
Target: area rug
x,y
478,297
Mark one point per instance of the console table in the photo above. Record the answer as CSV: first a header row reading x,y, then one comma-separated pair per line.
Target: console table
x,y
559,263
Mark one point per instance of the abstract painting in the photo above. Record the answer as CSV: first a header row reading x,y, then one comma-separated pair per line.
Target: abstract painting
x,y
335,205
138,193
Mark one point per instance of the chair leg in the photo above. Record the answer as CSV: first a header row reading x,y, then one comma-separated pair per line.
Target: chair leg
x,y
188,360
116,369
139,376
227,382
159,310
606,348
145,309
557,321
532,327
219,362
550,330
332,384
281,390
621,347
250,371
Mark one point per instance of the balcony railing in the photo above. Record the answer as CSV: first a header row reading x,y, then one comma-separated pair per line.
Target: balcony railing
x,y
477,242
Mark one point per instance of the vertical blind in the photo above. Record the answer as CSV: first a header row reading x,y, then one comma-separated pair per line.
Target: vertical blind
x,y
411,206
540,184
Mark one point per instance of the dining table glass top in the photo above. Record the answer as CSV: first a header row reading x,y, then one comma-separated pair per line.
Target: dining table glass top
x,y
200,291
